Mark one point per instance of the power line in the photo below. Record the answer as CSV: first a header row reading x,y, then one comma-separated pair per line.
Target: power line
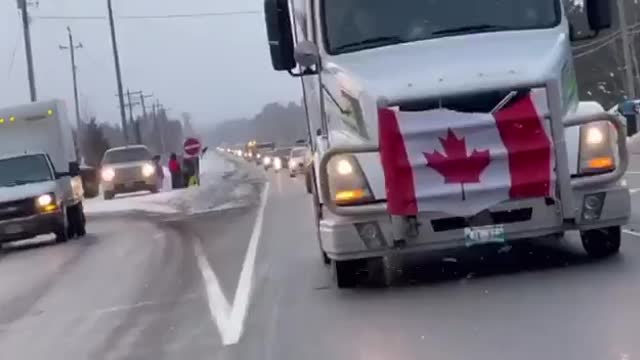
x,y
161,16
13,54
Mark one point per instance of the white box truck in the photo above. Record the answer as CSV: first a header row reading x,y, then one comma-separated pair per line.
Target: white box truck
x,y
40,185
449,123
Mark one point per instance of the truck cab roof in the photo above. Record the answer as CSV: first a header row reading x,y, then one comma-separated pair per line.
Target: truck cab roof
x,y
15,155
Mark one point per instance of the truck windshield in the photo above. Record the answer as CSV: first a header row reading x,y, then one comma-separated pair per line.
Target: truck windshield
x,y
352,25
126,155
24,170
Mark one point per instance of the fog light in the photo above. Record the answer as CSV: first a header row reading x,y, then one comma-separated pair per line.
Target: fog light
x,y
592,206
371,235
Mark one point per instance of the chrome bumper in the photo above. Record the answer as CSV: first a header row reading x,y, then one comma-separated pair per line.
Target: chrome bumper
x,y
342,240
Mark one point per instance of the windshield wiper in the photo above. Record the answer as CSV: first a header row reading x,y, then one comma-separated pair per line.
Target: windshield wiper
x,y
376,41
471,29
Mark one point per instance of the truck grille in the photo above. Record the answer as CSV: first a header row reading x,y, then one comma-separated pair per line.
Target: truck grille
x,y
497,217
128,173
482,102
17,209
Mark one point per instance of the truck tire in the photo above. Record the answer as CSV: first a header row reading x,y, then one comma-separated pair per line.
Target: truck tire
x,y
62,232
154,189
345,272
108,195
307,180
78,221
601,243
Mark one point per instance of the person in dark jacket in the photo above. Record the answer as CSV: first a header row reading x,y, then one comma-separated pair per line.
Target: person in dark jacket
x,y
176,171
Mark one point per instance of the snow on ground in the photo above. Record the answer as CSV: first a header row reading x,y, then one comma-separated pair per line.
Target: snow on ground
x,y
222,186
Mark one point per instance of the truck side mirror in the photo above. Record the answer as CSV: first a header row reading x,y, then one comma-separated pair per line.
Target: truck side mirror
x,y
74,169
279,34
598,14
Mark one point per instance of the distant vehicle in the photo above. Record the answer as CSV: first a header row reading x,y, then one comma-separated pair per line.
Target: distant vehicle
x,y
280,158
40,186
299,159
256,151
128,169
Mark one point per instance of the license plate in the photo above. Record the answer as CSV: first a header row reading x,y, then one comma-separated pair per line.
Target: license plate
x,y
484,235
13,229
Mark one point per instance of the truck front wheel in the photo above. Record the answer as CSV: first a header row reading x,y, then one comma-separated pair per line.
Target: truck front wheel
x,y
62,231
601,243
108,195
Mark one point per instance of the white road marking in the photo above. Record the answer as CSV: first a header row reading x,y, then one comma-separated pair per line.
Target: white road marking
x,y
631,232
633,191
633,172
230,318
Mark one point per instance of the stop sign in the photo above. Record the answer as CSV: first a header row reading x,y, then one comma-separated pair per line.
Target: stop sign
x,y
192,146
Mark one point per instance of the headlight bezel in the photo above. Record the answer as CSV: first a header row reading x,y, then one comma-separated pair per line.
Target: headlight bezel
x,y
596,153
46,202
348,188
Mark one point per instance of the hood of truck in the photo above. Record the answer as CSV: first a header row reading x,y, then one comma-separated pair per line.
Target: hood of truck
x,y
449,65
19,192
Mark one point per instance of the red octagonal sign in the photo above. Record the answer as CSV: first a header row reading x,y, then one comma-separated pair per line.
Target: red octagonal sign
x,y
192,146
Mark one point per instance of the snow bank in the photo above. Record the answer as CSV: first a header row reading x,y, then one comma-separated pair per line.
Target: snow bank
x,y
224,183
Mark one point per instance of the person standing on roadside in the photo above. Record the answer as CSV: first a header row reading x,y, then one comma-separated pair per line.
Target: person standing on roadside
x,y
159,172
176,172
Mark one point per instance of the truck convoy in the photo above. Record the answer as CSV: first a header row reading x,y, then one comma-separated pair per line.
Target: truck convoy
x,y
40,186
449,123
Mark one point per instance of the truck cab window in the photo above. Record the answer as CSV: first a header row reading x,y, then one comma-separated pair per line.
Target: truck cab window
x,y
24,170
126,155
352,25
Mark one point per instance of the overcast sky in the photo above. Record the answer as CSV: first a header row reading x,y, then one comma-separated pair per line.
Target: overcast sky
x,y
213,67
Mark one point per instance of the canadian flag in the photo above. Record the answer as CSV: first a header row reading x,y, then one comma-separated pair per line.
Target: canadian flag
x,y
462,163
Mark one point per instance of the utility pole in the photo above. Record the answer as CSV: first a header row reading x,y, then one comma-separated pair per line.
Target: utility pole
x,y
131,119
161,128
116,60
71,49
628,64
23,5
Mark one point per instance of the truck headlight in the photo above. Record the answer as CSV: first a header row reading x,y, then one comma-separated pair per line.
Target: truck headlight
x,y
148,170
46,202
347,181
596,148
108,174
266,160
594,136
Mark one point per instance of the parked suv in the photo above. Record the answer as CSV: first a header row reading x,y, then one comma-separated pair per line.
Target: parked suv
x,y
127,169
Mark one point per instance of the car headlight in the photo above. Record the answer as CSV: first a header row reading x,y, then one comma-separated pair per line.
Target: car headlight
x,y
596,148
258,156
266,160
108,174
347,182
277,163
46,202
148,170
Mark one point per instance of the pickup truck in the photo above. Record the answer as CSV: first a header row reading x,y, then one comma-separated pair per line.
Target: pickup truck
x,y
40,185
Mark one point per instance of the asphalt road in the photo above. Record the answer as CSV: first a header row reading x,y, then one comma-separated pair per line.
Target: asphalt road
x,y
159,287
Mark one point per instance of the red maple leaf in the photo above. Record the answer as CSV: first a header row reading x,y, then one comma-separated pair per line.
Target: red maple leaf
x,y
456,166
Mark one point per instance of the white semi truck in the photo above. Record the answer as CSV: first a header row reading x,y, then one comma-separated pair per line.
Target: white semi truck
x,y
40,186
449,123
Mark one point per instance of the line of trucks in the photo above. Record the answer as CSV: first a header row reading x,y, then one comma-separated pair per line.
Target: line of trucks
x,y
449,123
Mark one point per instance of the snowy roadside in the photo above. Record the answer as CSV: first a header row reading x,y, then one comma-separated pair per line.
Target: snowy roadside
x,y
225,183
